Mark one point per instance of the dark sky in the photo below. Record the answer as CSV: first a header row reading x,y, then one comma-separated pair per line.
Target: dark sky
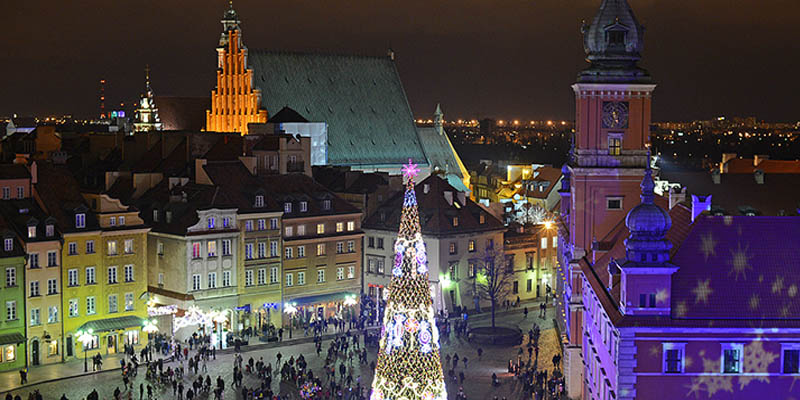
x,y
498,58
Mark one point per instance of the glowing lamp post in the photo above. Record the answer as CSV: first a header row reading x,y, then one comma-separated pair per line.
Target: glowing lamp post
x,y
289,308
85,338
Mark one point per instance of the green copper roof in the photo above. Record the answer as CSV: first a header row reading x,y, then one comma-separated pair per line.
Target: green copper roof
x,y
360,98
112,324
440,151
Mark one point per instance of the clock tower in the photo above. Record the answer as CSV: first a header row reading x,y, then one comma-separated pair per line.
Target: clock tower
x,y
610,151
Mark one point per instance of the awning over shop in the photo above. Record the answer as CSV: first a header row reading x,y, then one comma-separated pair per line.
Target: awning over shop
x,y
11,338
321,298
113,324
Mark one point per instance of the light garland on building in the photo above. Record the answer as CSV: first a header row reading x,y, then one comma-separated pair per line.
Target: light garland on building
x,y
195,316
409,365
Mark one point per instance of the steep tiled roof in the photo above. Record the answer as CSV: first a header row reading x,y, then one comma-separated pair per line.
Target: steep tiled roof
x,y
737,192
436,212
295,188
14,171
59,191
7,231
360,98
440,151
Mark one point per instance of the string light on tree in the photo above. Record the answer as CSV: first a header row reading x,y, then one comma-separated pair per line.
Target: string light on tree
x,y
409,365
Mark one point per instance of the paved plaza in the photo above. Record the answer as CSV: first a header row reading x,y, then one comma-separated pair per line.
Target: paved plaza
x,y
55,380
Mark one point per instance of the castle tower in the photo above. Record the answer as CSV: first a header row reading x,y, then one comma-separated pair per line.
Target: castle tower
x,y
610,152
147,113
234,102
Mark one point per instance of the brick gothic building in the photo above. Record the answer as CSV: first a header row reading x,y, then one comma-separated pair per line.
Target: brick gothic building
x,y
663,300
234,103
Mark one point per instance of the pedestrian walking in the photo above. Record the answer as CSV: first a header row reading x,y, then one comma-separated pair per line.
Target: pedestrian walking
x,y
525,311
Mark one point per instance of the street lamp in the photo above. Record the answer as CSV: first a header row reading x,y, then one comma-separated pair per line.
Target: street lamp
x,y
290,309
85,338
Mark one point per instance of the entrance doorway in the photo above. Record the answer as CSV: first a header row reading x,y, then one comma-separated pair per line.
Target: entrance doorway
x,y
35,352
69,346
112,343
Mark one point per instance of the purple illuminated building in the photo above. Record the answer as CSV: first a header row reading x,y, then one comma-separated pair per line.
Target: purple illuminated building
x,y
662,299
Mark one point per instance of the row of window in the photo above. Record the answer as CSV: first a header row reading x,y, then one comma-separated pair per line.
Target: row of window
x,y
262,249
211,222
72,247
7,192
49,231
52,259
52,288
301,276
211,282
303,205
321,249
116,221
471,246
73,278
371,242
250,224
210,248
731,355
289,231
74,311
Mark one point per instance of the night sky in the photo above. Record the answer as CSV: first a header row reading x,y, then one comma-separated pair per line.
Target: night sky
x,y
479,58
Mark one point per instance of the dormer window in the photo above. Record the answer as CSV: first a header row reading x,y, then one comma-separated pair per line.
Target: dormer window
x,y
80,220
226,222
155,215
303,206
616,37
49,230
259,200
482,219
121,220
212,222
32,231
326,204
112,221
8,244
455,221
287,207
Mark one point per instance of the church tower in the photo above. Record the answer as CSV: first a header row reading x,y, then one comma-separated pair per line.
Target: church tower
x,y
234,102
609,154
147,113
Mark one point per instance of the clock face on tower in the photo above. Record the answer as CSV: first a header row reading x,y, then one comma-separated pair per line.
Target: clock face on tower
x,y
615,114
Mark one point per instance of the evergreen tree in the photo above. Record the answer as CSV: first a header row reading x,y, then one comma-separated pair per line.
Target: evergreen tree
x,y
409,365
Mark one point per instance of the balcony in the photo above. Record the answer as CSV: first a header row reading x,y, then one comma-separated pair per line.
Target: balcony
x,y
297,166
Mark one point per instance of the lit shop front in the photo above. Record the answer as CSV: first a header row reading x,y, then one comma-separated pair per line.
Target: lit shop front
x,y
310,309
257,318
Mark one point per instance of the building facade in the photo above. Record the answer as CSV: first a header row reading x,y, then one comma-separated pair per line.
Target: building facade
x,y
12,298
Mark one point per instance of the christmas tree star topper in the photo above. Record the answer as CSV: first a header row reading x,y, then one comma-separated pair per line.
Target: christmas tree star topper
x,y
410,170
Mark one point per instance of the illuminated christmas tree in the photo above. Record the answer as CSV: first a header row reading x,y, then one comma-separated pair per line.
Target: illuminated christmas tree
x,y
409,366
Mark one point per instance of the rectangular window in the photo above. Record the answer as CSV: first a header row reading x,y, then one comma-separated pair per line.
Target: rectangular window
x,y
289,252
613,203
226,222
212,280
303,206
473,267
73,248
6,193
262,276
111,246
289,231
371,242
339,247
351,226
226,247
52,314
91,305
454,271
351,246
11,310
652,297
301,251
52,259
121,220
52,286
732,358
74,310
326,204
339,273
196,250
320,275
259,200
791,358
90,276
20,192
128,246
471,246
301,278
161,278
211,222
34,286
320,229
80,220
112,303
287,207
555,242
273,248
529,288
543,244
321,249
340,227
33,260
351,272
301,230
248,225
36,317
371,265
380,266
455,221
273,224
273,275
673,357
196,282
248,251
128,301
72,278
226,278
248,277
262,224
453,248
515,289
262,249
112,274
614,145
11,277
49,230
128,270
289,279
90,247
380,243
112,221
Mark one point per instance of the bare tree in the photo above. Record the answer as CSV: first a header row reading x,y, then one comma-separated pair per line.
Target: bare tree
x,y
492,279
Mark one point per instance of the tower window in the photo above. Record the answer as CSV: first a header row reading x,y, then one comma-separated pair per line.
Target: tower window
x,y
614,145
613,203
616,37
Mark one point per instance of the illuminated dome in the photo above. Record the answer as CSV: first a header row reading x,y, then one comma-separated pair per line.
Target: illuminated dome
x,y
648,224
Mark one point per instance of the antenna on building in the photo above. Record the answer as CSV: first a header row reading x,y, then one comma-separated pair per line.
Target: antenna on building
x,y
102,98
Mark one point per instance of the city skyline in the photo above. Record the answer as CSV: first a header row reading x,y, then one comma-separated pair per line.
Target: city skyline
x,y
443,55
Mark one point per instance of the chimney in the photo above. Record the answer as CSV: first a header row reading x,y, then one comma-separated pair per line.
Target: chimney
x,y
700,204
759,158
759,175
715,177
34,173
676,196
200,176
448,195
